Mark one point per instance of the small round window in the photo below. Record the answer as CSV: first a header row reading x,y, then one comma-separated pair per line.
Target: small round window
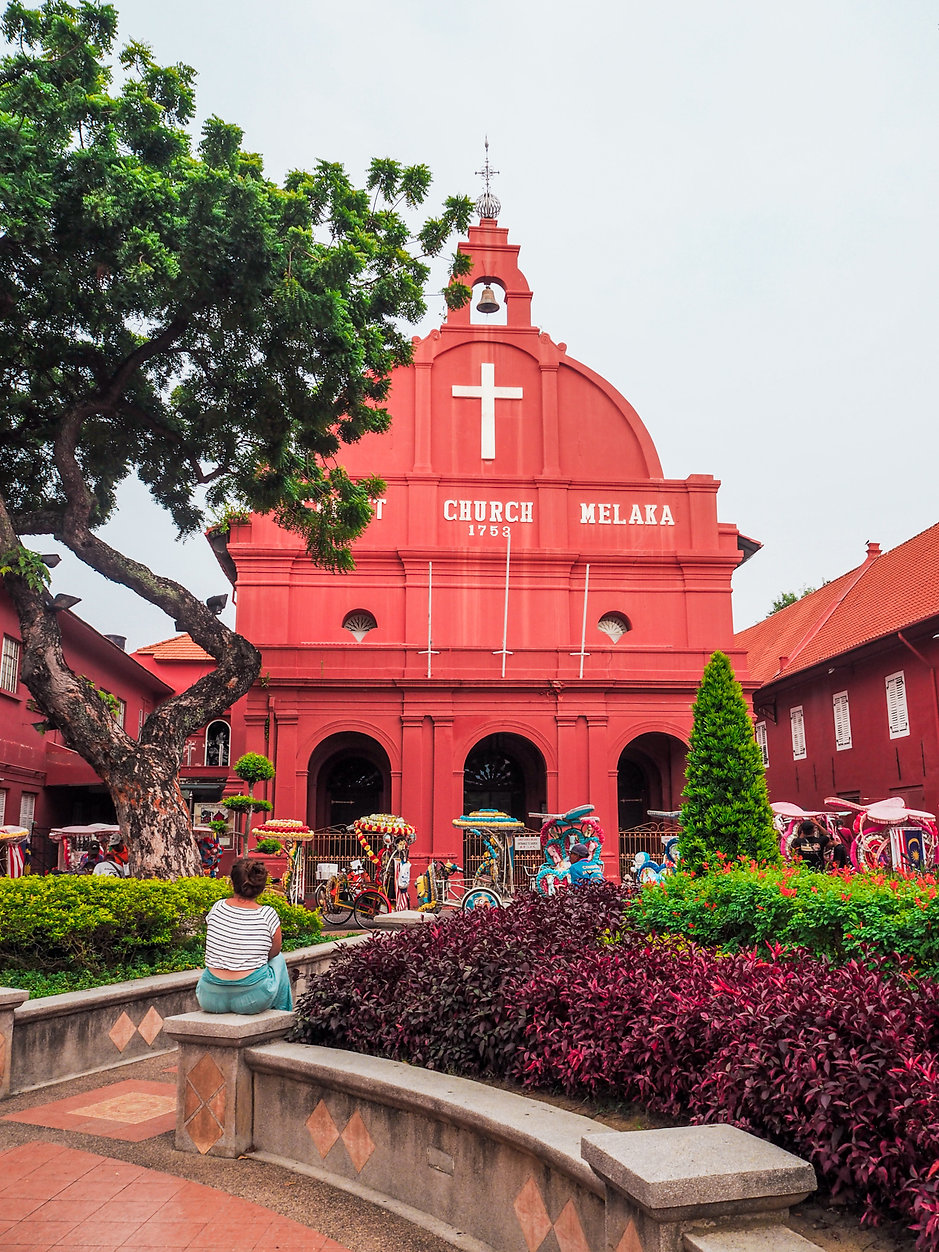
x,y
358,623
614,624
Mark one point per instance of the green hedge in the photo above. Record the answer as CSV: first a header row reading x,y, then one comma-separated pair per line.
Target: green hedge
x,y
66,932
838,916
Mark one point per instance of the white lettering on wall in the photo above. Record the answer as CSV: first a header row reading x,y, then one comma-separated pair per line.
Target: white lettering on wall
x,y
492,511
598,513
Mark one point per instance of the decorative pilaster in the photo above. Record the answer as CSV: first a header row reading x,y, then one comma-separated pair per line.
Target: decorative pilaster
x,y
214,1087
10,999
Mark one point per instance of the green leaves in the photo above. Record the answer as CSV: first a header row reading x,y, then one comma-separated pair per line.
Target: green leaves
x,y
22,563
196,320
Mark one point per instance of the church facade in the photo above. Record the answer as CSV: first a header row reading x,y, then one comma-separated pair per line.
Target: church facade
x,y
532,605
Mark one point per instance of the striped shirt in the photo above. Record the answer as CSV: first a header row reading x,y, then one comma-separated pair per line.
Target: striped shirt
x,y
239,939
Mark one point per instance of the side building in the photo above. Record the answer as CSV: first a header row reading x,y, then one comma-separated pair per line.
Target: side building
x,y
532,606
847,701
42,782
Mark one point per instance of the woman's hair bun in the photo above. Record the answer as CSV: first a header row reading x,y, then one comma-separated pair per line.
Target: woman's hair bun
x,y
248,877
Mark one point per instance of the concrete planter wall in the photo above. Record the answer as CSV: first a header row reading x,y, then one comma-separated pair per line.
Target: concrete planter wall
x,y
51,1038
486,1170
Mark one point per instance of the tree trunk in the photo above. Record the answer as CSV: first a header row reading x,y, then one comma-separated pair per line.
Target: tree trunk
x,y
154,820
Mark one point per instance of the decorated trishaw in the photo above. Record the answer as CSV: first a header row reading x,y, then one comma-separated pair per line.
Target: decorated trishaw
x,y
14,851
888,834
75,843
493,883
833,822
882,834
559,833
385,839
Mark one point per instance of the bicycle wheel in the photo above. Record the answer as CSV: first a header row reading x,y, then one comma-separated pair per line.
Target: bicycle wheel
x,y
369,903
337,906
481,898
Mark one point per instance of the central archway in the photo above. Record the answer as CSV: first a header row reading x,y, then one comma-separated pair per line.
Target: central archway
x,y
349,776
507,772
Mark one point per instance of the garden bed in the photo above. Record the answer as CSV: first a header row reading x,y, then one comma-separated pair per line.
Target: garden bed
x,y
834,1062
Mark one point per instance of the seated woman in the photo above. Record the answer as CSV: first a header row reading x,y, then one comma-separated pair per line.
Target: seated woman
x,y
245,970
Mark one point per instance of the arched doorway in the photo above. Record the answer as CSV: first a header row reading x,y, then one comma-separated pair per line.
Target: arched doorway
x,y
650,774
506,772
349,776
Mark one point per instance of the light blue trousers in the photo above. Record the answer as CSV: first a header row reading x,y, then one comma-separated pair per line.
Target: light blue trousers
x,y
264,988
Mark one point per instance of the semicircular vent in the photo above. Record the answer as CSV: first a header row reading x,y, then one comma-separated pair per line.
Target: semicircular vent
x,y
614,624
358,623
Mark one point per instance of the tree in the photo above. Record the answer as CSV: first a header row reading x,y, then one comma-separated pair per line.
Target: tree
x,y
786,598
251,768
173,314
725,807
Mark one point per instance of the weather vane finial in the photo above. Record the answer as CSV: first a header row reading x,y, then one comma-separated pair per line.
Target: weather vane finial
x,y
488,204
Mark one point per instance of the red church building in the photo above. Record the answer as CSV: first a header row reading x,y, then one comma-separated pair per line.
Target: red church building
x,y
532,606
848,693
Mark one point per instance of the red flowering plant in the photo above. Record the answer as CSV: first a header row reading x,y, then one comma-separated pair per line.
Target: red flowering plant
x,y
844,915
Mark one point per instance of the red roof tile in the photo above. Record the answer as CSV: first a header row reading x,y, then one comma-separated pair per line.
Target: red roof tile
x,y
886,593
179,648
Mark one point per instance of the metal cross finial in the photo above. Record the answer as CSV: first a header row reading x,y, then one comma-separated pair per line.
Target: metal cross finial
x,y
487,171
488,204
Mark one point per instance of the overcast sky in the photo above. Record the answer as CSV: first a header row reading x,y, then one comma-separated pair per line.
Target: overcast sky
x,y
728,209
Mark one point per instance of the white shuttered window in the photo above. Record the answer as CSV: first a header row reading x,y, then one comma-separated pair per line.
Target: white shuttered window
x,y
10,664
761,742
839,702
898,719
797,724
27,809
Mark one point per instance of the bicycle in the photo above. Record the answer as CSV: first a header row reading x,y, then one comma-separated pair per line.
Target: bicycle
x,y
351,893
436,889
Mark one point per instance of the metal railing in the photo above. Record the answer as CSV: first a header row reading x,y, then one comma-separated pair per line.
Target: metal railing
x,y
645,838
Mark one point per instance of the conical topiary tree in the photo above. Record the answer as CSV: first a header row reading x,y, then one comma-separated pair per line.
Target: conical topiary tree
x,y
725,807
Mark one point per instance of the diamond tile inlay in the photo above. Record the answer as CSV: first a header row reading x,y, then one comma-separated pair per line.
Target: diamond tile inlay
x,y
322,1128
359,1143
532,1215
569,1232
122,1032
204,1130
205,1076
630,1241
151,1026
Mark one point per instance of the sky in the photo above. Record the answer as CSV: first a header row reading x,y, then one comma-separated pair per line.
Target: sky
x,y
726,209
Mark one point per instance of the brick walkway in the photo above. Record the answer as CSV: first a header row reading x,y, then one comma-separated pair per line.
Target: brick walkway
x,y
90,1164
52,1196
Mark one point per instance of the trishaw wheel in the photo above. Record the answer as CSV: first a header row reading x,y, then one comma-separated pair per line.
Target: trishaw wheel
x,y
369,903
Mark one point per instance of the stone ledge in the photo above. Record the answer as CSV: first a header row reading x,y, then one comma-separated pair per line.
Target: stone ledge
x,y
228,1030
753,1239
548,1133
691,1168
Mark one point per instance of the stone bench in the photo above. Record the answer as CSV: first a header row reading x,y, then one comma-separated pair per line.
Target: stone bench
x,y
484,1168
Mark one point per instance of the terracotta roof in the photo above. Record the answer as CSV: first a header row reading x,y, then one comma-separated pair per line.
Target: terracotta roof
x,y
888,592
179,648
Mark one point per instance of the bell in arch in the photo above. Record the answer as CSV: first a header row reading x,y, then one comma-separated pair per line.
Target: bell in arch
x,y
487,301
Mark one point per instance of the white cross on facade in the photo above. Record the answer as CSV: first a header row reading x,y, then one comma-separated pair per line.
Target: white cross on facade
x,y
488,393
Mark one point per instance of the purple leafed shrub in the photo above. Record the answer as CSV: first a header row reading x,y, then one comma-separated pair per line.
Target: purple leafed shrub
x,y
837,1064
449,996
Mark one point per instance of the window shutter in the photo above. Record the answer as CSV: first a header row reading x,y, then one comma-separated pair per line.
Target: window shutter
x,y
27,809
3,807
842,714
798,733
761,743
898,720
10,664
